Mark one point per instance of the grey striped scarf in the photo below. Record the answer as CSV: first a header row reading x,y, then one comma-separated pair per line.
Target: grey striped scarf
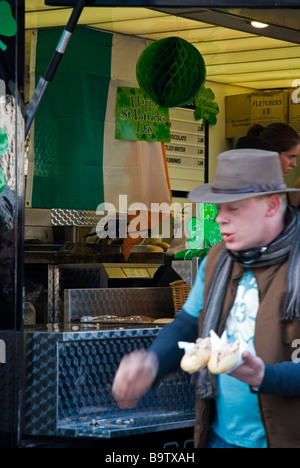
x,y
287,245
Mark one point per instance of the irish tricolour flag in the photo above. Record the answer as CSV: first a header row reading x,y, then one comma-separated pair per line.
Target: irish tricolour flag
x,y
76,162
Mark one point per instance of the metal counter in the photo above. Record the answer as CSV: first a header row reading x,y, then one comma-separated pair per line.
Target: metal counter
x,y
68,377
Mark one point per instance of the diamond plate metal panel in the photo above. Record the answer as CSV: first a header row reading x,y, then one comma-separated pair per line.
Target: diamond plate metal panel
x,y
65,217
68,386
40,409
121,302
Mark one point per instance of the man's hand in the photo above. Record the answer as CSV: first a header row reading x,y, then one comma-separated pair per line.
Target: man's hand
x,y
135,376
252,372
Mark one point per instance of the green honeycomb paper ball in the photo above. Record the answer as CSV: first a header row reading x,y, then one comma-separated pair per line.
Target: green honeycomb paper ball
x,y
171,71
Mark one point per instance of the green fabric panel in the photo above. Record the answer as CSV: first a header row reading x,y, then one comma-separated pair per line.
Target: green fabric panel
x,y
69,125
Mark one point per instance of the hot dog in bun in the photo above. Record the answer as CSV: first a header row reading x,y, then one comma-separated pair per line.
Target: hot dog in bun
x,y
225,359
198,356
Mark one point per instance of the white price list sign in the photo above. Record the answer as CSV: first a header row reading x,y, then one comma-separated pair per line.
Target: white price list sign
x,y
186,151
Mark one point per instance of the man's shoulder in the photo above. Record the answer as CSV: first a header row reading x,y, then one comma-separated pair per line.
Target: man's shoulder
x,y
216,250
212,260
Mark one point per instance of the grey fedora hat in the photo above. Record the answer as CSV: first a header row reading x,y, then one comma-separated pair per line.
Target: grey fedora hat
x,y
242,174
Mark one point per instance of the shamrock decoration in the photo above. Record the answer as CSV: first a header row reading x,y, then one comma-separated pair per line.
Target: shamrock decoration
x,y
8,25
206,108
212,231
2,180
215,236
210,212
139,118
3,148
195,228
3,141
204,230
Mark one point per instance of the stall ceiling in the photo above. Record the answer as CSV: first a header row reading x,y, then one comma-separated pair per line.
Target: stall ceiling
x,y
234,52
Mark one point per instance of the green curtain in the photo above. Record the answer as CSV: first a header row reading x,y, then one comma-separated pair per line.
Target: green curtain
x,y
69,125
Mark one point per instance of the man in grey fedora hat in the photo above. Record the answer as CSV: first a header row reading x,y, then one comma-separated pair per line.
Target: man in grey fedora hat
x,y
249,285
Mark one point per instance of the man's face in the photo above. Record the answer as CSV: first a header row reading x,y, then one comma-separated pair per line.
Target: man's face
x,y
243,224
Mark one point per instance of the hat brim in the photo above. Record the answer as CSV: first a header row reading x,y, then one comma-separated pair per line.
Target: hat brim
x,y
205,194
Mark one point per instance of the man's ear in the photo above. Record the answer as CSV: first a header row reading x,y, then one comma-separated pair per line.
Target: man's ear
x,y
274,203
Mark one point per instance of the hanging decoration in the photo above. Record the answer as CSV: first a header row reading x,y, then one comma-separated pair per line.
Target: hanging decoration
x,y
8,25
171,71
3,141
205,106
3,148
204,230
139,118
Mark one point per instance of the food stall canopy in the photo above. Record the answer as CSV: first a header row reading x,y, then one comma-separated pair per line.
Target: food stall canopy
x,y
235,53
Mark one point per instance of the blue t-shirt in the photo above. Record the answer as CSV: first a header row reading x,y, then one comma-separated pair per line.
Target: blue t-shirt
x,y
238,420
194,302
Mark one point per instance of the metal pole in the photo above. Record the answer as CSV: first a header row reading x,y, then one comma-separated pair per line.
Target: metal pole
x,y
59,52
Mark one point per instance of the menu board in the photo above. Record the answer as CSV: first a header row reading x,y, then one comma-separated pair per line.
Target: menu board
x,y
186,151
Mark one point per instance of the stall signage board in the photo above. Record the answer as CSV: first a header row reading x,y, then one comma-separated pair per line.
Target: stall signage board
x,y
245,110
268,107
138,118
238,115
186,151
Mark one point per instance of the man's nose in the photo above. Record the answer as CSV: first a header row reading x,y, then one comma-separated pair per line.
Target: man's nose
x,y
220,218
